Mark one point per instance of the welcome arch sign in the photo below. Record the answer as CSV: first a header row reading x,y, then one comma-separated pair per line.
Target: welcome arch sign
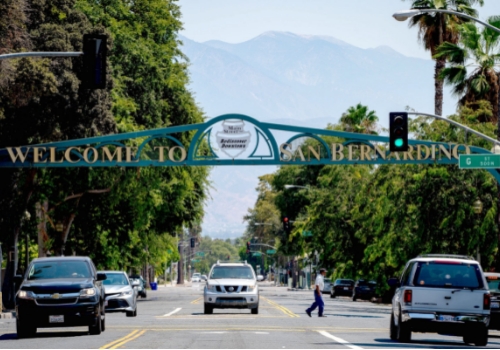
x,y
231,139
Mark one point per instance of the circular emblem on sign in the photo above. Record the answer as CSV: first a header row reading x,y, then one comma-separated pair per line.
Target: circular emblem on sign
x,y
231,289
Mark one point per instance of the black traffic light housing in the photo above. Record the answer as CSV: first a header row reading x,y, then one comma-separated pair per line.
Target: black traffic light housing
x,y
193,242
248,247
94,61
286,224
398,131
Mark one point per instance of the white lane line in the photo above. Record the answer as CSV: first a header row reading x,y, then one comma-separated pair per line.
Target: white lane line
x,y
339,340
173,312
261,332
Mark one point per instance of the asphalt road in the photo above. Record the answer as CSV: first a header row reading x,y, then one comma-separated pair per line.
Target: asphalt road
x,y
173,318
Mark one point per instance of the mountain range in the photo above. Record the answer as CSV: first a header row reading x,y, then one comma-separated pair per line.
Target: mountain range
x,y
286,78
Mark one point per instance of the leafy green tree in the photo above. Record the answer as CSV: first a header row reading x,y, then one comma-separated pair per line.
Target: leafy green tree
x,y
359,119
438,28
479,49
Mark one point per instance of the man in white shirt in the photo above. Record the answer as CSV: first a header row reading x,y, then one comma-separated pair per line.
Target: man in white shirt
x,y
318,289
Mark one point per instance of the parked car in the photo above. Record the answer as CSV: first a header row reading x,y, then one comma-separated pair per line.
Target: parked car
x,y
441,294
141,289
493,280
196,277
203,277
60,292
342,287
328,286
364,289
231,286
120,293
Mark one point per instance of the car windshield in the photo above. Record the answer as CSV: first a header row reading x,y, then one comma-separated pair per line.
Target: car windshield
x,y
344,282
196,275
493,283
448,274
241,272
115,279
59,269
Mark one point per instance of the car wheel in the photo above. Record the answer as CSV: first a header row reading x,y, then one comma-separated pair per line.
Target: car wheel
x,y
255,311
354,297
103,320
404,331
25,330
135,312
95,328
332,295
208,310
393,332
129,313
481,337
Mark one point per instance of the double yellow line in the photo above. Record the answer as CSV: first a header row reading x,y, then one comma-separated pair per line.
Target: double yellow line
x,y
281,308
196,300
117,343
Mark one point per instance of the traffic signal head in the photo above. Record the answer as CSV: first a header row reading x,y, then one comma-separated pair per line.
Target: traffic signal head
x,y
193,242
286,224
94,61
398,131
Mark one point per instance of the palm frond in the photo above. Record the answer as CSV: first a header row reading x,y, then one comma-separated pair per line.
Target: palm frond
x,y
479,85
452,52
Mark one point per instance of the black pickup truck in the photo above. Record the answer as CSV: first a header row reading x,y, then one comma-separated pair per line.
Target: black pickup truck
x,y
60,292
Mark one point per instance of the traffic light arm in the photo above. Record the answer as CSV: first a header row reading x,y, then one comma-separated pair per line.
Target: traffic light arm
x,y
40,54
467,129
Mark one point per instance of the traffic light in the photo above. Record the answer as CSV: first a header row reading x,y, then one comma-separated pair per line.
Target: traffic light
x,y
94,61
398,131
286,224
193,242
248,247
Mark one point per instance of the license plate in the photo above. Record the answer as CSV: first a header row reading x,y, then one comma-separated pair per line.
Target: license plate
x,y
447,318
56,319
345,288
495,305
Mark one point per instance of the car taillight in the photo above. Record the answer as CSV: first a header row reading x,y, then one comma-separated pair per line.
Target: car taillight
x,y
408,296
486,301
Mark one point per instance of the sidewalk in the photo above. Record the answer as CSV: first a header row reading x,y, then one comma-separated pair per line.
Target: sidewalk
x,y
8,314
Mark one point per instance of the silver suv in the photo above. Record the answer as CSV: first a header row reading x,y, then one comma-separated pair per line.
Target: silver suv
x,y
445,294
231,286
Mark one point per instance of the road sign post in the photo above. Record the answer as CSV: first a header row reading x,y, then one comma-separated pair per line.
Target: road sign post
x,y
479,161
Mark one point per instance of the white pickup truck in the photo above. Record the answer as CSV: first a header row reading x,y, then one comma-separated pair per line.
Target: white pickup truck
x,y
441,294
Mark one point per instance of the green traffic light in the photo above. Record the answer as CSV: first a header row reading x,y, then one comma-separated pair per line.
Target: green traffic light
x,y
398,142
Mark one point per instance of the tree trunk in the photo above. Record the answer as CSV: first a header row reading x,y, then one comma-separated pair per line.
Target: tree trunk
x,y
68,221
41,209
438,86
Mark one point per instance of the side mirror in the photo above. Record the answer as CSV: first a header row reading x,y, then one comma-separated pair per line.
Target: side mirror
x,y
101,276
394,282
135,284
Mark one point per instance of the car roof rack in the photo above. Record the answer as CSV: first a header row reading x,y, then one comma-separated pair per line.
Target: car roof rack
x,y
452,256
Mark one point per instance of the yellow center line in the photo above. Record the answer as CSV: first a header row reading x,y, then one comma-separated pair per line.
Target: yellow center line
x,y
196,300
281,308
109,345
129,339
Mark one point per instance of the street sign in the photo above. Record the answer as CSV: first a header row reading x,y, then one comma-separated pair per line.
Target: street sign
x,y
200,253
307,234
271,251
195,260
257,254
479,161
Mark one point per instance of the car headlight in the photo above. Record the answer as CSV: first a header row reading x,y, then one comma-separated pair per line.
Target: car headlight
x,y
26,294
124,294
251,288
87,293
211,288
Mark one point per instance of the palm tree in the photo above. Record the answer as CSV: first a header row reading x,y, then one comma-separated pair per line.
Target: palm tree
x,y
359,119
472,62
438,28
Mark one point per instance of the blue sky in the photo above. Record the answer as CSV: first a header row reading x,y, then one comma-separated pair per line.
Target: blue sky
x,y
363,23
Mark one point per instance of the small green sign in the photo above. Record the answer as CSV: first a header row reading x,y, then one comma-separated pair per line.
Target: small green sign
x,y
257,254
271,251
195,260
307,234
479,161
200,253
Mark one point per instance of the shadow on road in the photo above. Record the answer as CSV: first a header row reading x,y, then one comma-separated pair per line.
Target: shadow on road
x,y
13,336
416,344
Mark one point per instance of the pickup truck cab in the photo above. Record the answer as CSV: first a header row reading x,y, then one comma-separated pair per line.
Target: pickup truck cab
x,y
442,294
